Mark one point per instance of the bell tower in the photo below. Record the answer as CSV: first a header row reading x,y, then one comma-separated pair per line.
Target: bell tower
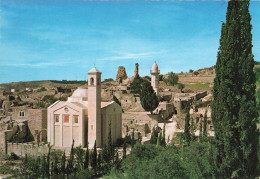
x,y
94,107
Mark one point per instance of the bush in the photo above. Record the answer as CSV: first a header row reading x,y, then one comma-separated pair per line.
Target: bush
x,y
147,78
196,73
5,169
41,104
148,161
191,70
160,77
13,156
172,79
41,89
181,86
108,79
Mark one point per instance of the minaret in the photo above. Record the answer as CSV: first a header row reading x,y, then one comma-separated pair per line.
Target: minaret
x,y
94,107
155,78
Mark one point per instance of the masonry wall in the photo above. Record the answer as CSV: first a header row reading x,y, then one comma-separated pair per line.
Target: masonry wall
x,y
22,148
37,123
2,142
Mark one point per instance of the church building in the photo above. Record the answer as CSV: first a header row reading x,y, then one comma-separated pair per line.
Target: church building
x,y
84,118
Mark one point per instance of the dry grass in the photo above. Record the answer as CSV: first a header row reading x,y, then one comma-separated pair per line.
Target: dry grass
x,y
198,86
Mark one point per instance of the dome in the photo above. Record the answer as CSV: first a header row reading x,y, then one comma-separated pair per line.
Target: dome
x,y
155,67
80,93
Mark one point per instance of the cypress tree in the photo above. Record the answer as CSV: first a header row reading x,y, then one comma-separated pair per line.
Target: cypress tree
x,y
48,162
200,135
43,166
159,140
86,161
99,162
124,150
105,154
52,169
117,161
63,163
154,136
187,136
205,132
133,139
148,97
70,165
234,109
94,158
248,115
192,129
110,144
162,141
55,167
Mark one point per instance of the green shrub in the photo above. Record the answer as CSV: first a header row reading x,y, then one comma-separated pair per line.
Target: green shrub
x,y
172,79
108,80
160,77
41,89
5,169
41,104
13,156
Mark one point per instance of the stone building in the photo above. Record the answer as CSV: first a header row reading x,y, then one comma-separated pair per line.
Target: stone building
x,y
20,113
37,124
155,78
84,118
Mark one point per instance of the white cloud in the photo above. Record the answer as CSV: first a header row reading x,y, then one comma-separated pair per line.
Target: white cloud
x,y
126,56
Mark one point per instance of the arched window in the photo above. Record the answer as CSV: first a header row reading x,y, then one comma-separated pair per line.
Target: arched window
x,y
91,81
21,113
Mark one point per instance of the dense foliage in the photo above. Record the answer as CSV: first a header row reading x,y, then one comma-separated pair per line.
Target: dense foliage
x,y
148,97
149,161
172,79
234,111
136,85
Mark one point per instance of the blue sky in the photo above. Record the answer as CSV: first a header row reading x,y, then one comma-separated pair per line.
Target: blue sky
x,y
63,40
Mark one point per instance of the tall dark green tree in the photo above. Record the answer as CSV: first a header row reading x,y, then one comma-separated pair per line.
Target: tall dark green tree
x,y
234,108
162,141
133,139
149,99
94,158
200,135
48,162
110,143
124,150
186,135
205,131
154,136
86,161
63,163
248,115
70,165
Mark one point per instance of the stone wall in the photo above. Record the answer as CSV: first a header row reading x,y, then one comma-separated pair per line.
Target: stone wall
x,y
21,149
37,123
2,142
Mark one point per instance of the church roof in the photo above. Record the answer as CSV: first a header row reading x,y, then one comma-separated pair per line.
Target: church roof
x,y
105,104
79,105
80,93
94,70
